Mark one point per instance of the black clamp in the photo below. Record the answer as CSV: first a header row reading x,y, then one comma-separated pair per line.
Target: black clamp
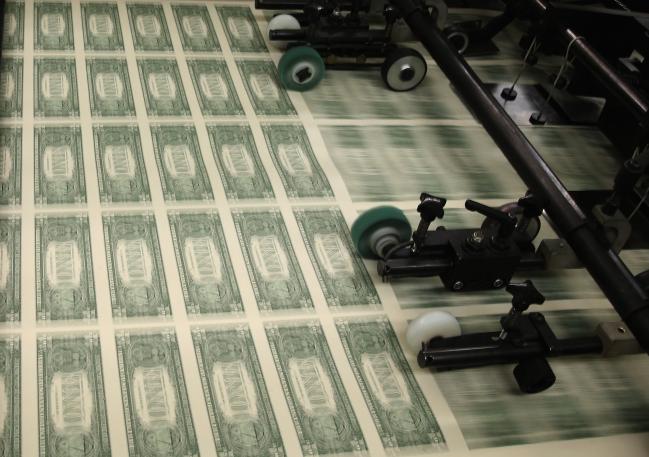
x,y
524,295
429,209
507,223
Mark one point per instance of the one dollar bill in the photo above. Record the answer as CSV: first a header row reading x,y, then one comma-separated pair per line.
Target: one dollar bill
x,y
341,273
296,162
241,29
71,400
164,93
149,27
195,28
10,261
266,93
242,173
319,405
399,409
110,88
10,165
241,415
53,26
10,395
120,164
138,286
55,88
58,166
276,276
11,87
13,26
182,171
214,88
65,286
156,407
102,30
206,273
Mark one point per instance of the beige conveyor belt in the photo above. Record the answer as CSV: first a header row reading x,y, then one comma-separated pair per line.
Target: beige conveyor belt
x,y
176,271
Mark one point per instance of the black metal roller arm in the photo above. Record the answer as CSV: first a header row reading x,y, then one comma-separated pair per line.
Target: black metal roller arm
x,y
613,277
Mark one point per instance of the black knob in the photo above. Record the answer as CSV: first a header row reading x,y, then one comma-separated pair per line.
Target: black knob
x,y
534,375
431,207
524,294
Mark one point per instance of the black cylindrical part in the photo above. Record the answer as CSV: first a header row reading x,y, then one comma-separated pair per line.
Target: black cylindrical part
x,y
473,356
287,35
610,273
485,349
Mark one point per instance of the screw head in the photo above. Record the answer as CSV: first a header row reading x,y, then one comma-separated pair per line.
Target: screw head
x,y
475,240
498,283
458,285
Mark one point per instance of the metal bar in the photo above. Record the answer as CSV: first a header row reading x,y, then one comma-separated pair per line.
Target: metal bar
x,y
485,349
613,277
279,4
596,64
287,35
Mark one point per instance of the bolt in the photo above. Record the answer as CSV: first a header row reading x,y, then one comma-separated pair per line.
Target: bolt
x,y
498,283
458,285
475,240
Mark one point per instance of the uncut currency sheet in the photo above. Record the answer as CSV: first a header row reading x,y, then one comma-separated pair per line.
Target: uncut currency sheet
x,y
177,276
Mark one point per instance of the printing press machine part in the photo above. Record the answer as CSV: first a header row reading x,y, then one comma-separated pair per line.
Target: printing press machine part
x,y
345,34
592,234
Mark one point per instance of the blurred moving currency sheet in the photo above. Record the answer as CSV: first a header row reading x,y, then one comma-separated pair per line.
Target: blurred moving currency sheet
x,y
177,276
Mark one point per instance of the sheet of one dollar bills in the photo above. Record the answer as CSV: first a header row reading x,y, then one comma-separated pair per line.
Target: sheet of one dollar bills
x,y
177,276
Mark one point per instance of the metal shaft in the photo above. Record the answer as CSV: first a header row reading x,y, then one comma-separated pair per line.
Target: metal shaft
x,y
610,273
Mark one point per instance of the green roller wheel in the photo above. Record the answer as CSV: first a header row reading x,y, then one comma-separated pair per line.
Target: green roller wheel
x,y
301,68
378,229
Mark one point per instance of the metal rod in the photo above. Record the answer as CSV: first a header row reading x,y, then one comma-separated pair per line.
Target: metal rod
x,y
485,348
616,281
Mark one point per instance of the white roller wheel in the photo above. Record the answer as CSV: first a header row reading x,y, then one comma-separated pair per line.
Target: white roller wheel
x,y
283,22
431,325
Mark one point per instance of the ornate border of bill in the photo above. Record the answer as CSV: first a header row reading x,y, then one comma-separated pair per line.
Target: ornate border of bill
x,y
180,279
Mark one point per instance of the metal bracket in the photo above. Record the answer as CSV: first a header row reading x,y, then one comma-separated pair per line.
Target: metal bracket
x,y
616,227
617,339
558,254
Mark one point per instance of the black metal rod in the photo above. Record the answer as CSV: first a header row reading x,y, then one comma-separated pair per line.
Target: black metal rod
x,y
616,281
601,70
495,25
485,349
279,5
287,35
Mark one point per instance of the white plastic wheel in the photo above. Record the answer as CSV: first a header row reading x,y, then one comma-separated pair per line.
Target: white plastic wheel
x,y
431,325
283,22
